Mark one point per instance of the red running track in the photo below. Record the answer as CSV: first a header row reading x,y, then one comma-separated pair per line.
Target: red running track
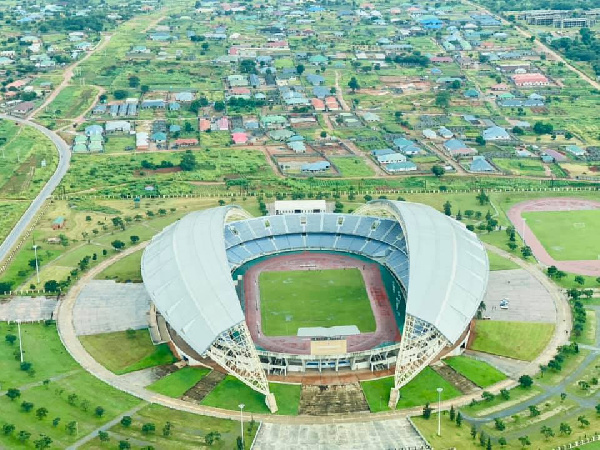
x,y
583,267
386,328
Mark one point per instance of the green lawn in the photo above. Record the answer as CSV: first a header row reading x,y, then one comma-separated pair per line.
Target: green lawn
x,y
567,235
323,298
231,392
498,262
519,340
420,390
352,166
479,372
188,431
71,102
121,354
124,270
178,383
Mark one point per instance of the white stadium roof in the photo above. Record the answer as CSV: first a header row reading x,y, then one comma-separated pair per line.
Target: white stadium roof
x,y
186,272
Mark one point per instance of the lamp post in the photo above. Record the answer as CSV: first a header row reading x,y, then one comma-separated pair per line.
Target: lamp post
x,y
20,340
524,220
241,406
37,267
439,391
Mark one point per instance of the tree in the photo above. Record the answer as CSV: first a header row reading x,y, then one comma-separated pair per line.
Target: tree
x,y
99,411
134,239
499,425
480,140
148,428
583,385
542,128
502,441
134,81
51,286
488,446
526,251
583,421
120,94
505,394
524,440
24,435
43,442
144,88
563,396
353,84
10,339
167,428
212,437
124,445
533,411
13,393
487,396
126,421
459,419
427,411
41,413
71,428
323,134
7,429
452,413
448,208
300,69
579,280
564,428
117,244
103,436
438,171
188,161
525,381
482,198
55,421
547,432
219,106
442,99
473,432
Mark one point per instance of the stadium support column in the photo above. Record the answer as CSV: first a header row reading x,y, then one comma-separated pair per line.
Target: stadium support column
x,y
234,351
421,343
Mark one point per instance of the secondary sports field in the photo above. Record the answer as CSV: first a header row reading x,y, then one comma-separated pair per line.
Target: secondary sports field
x,y
567,235
317,298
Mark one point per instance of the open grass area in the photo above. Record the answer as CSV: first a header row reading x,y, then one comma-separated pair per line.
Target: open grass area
x,y
231,392
323,298
178,383
567,235
420,390
71,102
127,269
479,372
121,353
485,407
519,340
352,166
188,431
498,262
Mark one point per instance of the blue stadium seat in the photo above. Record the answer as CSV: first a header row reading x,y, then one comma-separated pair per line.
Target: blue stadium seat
x,y
326,240
282,242
293,224
330,222
253,248
295,240
244,231
313,241
382,228
313,223
344,242
349,224
277,225
358,242
364,226
259,228
266,245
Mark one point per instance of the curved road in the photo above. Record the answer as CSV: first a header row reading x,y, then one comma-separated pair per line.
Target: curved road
x,y
64,158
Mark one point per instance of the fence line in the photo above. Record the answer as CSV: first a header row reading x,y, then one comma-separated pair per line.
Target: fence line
x,y
578,443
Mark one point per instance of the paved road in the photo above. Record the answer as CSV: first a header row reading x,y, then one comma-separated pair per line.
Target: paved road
x,y
64,153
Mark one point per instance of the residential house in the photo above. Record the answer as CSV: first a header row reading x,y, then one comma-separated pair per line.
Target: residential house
x,y
318,104
404,166
93,129
316,167
495,133
297,146
273,122
184,97
117,126
530,79
456,147
185,142
575,150
480,164
239,138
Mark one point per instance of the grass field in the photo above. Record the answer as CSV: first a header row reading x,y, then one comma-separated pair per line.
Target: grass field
x,y
189,431
231,392
497,262
71,102
127,269
479,372
121,354
324,298
352,166
178,383
420,390
567,235
506,338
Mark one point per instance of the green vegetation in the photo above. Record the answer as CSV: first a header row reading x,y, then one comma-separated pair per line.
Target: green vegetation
x,y
123,352
323,298
498,262
125,270
421,390
567,235
71,102
479,372
351,166
506,338
178,383
231,392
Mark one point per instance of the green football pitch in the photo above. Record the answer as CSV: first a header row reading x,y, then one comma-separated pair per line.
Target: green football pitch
x,y
317,298
567,235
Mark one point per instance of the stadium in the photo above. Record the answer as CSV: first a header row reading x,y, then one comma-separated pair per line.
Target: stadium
x,y
393,285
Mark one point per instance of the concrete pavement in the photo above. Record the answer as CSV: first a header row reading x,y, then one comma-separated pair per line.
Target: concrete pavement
x,y
64,155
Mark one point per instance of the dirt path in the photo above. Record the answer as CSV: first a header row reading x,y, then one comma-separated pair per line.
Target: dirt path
x,y
583,267
68,75
339,94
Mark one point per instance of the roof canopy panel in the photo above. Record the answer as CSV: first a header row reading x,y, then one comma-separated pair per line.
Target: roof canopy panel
x,y
186,273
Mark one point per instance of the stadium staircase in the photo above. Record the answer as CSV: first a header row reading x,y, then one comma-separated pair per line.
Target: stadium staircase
x,y
204,386
461,383
323,400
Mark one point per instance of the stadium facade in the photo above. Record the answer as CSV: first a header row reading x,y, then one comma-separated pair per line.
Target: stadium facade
x,y
441,266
